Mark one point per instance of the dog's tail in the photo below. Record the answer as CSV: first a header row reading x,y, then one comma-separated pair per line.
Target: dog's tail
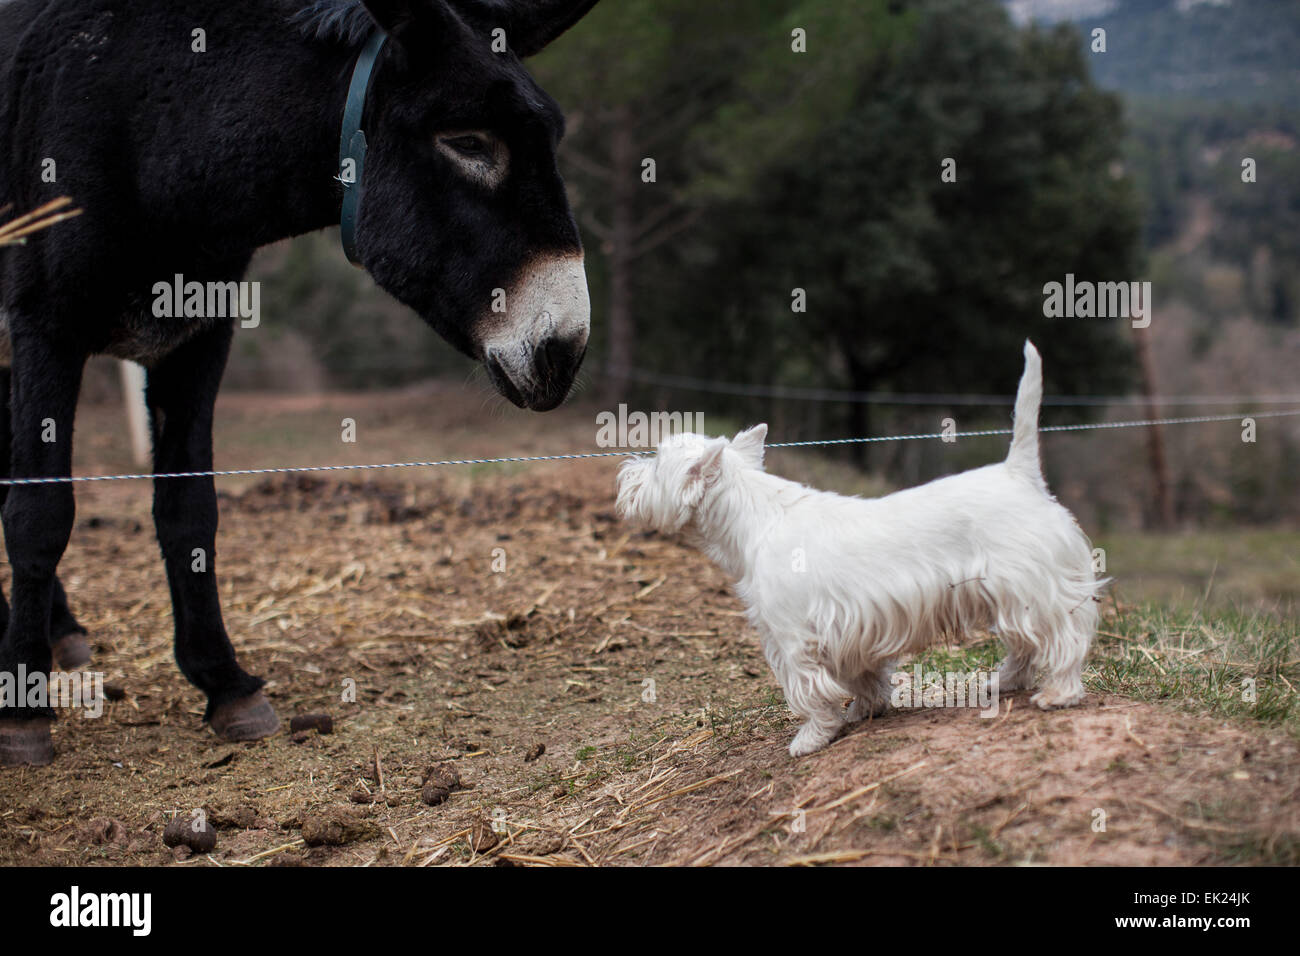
x,y
1023,457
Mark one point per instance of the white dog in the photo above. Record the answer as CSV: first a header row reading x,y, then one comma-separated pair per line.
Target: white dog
x,y
839,587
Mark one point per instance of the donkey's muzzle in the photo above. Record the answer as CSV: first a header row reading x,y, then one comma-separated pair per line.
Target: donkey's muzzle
x,y
533,350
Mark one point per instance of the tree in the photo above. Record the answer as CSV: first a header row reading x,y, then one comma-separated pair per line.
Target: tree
x,y
654,87
914,283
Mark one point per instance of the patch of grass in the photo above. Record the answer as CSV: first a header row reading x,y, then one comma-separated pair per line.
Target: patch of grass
x,y
980,834
1256,849
1236,663
982,655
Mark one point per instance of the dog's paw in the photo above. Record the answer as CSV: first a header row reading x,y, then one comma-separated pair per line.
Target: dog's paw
x,y
862,708
1049,699
809,739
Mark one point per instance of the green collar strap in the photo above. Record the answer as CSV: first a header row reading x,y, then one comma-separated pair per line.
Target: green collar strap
x,y
352,143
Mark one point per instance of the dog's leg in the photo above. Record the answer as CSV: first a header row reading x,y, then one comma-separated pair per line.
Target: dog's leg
x,y
818,730
871,693
1061,658
1016,670
811,692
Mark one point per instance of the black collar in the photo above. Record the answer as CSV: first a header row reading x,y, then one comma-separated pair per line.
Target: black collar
x,y
352,143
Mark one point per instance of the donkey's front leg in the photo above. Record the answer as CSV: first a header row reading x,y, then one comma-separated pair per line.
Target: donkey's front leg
x,y
181,393
67,636
37,522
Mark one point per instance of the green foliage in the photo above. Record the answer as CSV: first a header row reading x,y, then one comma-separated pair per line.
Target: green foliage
x,y
1186,150
912,283
1261,224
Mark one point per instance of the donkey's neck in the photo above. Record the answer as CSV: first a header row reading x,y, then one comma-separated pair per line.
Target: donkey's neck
x,y
303,193
277,129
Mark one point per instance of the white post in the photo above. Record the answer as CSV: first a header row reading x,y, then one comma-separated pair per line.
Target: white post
x,y
137,412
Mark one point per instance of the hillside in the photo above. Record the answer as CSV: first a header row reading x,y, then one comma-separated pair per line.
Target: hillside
x,y
1244,51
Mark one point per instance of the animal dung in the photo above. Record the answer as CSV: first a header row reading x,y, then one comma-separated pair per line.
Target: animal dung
x,y
482,837
191,830
434,795
104,830
321,723
439,781
241,817
336,827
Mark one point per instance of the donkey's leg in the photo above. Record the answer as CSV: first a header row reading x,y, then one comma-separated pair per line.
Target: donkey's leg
x,y
37,522
181,393
67,636
68,641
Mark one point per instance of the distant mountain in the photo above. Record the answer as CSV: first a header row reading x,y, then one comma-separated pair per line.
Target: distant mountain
x,y
1245,51
1054,11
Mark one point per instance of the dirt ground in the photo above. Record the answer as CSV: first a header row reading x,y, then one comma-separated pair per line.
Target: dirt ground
x,y
597,692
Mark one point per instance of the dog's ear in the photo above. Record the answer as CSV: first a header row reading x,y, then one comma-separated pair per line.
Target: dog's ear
x,y
750,444
704,472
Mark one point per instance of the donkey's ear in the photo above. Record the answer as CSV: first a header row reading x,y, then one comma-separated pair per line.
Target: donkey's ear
x,y
394,17
410,20
530,25
750,444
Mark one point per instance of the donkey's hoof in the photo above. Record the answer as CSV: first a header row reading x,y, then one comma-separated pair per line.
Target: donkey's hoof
x,y
25,742
247,718
71,651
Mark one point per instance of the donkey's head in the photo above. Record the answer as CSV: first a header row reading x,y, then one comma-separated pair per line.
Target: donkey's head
x,y
464,216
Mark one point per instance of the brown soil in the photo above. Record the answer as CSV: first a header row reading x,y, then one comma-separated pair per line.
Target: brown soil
x,y
532,684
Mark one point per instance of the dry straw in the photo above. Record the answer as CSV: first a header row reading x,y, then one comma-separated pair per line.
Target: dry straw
x,y
16,231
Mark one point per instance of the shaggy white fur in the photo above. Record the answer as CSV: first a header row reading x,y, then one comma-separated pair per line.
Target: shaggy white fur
x,y
840,587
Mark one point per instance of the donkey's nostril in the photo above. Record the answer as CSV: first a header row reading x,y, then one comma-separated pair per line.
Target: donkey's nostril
x,y
555,363
538,377
502,381
552,357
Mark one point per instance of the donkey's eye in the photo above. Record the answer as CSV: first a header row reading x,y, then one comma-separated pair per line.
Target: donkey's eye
x,y
478,155
470,146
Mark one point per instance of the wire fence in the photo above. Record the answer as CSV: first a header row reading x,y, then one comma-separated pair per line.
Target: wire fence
x,y
514,459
